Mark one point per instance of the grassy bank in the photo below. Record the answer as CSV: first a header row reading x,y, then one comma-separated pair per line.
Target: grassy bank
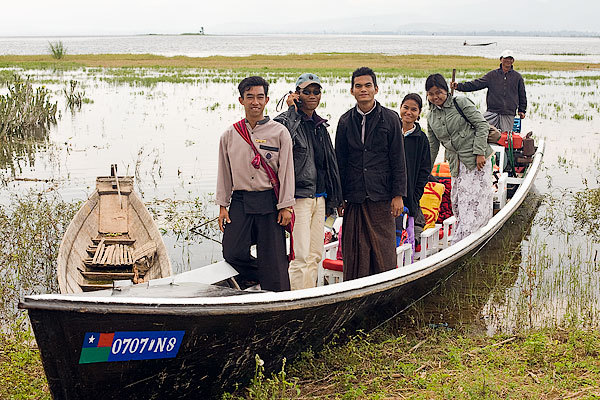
x,y
429,364
319,63
440,364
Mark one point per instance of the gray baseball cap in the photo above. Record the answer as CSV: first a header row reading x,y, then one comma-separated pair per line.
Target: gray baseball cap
x,y
307,79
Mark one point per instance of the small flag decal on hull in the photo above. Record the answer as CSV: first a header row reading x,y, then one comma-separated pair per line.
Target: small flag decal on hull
x,y
127,346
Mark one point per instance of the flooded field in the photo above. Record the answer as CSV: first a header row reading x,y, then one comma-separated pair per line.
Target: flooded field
x,y
162,126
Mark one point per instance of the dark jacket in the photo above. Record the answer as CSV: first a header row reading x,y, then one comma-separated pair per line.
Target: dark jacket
x,y
377,168
304,156
506,92
418,161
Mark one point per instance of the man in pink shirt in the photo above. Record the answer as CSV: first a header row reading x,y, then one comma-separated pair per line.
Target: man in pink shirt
x,y
255,214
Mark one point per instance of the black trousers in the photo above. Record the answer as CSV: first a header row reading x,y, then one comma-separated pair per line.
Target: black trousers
x,y
254,221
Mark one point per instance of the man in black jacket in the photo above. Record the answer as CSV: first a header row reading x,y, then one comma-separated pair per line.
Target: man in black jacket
x,y
506,93
370,151
318,191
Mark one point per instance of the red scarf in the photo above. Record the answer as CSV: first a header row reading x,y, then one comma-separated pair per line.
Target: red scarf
x,y
259,161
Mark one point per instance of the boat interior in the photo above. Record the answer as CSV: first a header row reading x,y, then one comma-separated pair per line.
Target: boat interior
x,y
218,279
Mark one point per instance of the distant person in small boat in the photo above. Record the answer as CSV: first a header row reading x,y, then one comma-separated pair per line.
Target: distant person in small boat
x,y
467,151
418,162
370,151
318,190
506,93
255,180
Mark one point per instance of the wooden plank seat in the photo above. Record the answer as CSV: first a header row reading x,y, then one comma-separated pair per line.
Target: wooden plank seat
x,y
111,251
90,287
106,276
113,240
113,258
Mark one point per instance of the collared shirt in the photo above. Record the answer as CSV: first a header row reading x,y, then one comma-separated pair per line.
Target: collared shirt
x,y
408,132
364,120
235,171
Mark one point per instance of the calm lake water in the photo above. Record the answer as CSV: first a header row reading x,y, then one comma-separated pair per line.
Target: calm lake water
x,y
166,135
526,48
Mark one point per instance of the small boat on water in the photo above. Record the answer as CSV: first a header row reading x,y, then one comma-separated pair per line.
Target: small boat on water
x,y
184,337
479,44
112,237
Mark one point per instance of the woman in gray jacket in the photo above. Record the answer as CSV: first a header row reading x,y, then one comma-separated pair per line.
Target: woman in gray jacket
x,y
467,152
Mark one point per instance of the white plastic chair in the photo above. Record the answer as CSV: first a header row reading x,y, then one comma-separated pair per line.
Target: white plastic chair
x,y
403,255
449,226
430,241
329,251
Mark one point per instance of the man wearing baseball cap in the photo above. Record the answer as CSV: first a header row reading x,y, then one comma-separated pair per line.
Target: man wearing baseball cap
x,y
506,93
318,191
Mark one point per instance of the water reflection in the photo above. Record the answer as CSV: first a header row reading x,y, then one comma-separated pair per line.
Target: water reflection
x,y
18,155
467,298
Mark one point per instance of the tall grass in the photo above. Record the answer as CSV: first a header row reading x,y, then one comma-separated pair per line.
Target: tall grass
x,y
73,96
24,108
57,49
31,227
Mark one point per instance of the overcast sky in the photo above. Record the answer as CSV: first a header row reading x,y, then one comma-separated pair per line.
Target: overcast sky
x,y
84,17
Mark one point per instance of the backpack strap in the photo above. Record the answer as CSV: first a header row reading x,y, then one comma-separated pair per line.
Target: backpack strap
x,y
461,112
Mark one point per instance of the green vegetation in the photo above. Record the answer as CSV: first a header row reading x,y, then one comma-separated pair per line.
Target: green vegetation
x,y
74,97
57,50
442,364
580,117
21,372
31,226
535,77
322,63
569,54
23,109
588,78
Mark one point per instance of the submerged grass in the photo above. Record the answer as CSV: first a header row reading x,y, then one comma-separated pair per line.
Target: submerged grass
x,y
31,227
338,63
73,96
24,108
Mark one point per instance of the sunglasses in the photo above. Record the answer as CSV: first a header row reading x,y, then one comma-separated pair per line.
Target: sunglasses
x,y
308,92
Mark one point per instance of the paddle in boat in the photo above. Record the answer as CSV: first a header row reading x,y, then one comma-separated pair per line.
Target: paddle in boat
x,y
183,336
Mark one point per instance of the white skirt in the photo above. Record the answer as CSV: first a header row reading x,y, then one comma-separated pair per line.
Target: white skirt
x,y
472,198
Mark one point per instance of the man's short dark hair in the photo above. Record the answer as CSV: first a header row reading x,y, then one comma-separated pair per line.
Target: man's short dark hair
x,y
436,80
364,71
251,81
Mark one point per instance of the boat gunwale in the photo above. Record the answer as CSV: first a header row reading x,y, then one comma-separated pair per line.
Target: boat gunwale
x,y
313,297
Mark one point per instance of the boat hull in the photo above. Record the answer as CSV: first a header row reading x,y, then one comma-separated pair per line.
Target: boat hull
x,y
218,349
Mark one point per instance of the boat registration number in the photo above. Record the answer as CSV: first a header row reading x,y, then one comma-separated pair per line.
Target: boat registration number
x,y
128,346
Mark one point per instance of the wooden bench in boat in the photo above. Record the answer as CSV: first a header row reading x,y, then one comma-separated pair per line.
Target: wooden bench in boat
x,y
113,258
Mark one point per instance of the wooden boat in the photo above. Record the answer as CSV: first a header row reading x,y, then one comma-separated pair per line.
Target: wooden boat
x,y
478,44
181,337
112,237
